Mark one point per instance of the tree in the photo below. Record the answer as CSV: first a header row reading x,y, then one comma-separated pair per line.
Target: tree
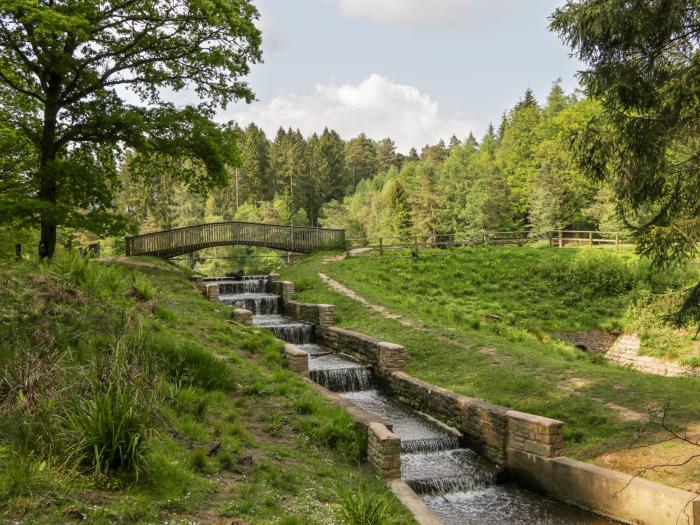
x,y
361,159
546,203
642,64
64,69
386,155
256,182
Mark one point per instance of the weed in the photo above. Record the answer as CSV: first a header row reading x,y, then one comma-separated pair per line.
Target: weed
x,y
109,432
360,505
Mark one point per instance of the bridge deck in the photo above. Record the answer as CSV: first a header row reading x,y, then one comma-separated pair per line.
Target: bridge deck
x,y
171,243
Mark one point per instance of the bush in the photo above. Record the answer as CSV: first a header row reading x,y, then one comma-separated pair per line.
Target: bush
x,y
362,505
597,272
109,433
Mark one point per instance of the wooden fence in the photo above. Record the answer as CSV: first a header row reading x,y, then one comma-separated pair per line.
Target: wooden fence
x,y
560,238
171,243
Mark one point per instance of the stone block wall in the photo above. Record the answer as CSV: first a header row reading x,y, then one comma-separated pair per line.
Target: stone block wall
x,y
297,360
384,357
535,434
384,451
242,316
198,281
321,315
211,292
285,289
483,425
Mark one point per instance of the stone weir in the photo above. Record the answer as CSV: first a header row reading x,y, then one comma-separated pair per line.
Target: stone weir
x,y
471,462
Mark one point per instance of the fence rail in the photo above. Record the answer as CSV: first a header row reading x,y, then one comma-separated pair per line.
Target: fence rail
x,y
171,243
560,238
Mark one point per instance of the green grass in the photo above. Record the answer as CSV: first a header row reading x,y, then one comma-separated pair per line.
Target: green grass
x,y
128,398
512,363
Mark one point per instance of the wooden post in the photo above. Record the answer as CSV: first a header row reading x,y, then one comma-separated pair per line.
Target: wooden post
x,y
590,239
416,244
561,239
483,237
381,246
18,251
617,240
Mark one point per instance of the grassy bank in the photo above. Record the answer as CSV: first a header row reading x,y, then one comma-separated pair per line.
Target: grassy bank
x,y
514,362
127,398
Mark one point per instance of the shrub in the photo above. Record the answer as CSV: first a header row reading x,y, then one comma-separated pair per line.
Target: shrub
x,y
362,505
600,273
109,433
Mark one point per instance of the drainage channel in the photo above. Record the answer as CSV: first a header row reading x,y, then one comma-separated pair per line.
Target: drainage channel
x,y
460,486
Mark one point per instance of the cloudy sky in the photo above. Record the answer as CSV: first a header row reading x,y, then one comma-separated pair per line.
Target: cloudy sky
x,y
413,70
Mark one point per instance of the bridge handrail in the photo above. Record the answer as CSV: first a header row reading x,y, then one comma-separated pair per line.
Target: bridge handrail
x,y
169,243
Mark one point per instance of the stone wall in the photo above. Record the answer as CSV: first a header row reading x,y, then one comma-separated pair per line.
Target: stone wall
x,y
535,434
321,315
285,289
211,292
483,425
297,360
384,357
384,451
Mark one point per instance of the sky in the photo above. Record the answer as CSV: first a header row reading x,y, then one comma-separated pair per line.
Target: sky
x,y
414,70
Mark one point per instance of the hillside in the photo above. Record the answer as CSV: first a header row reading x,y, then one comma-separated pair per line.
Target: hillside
x,y
435,306
127,398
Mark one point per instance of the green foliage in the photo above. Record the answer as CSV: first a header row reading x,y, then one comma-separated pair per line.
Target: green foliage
x,y
362,505
61,71
110,432
188,363
600,273
24,476
645,144
102,400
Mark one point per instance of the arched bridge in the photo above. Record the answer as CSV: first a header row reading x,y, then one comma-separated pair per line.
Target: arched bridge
x,y
171,243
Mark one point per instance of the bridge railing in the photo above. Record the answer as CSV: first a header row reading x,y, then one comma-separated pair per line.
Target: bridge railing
x,y
171,243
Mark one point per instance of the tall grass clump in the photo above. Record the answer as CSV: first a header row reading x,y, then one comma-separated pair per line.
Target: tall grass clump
x,y
361,505
110,433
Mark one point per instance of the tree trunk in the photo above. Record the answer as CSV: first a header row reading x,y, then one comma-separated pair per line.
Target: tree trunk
x,y
47,181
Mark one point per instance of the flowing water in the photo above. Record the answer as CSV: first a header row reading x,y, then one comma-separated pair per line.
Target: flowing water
x,y
461,487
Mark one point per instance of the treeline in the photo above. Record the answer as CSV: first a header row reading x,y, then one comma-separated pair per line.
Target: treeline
x,y
286,180
520,175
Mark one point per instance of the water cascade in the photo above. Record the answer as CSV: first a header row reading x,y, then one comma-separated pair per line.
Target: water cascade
x,y
461,487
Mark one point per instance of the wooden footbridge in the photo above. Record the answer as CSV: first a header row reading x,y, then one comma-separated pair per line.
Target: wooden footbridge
x,y
171,243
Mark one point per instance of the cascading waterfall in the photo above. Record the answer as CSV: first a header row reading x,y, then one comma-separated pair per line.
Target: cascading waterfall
x,y
289,330
258,303
461,487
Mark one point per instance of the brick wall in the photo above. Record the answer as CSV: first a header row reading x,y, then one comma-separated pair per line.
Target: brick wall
x,y
384,357
285,289
535,434
211,292
384,451
297,360
321,315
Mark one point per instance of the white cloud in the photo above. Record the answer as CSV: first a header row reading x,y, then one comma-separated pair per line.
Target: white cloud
x,y
421,12
376,106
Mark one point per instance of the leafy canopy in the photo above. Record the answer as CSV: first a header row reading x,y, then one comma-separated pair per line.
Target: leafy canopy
x,y
644,64
81,81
